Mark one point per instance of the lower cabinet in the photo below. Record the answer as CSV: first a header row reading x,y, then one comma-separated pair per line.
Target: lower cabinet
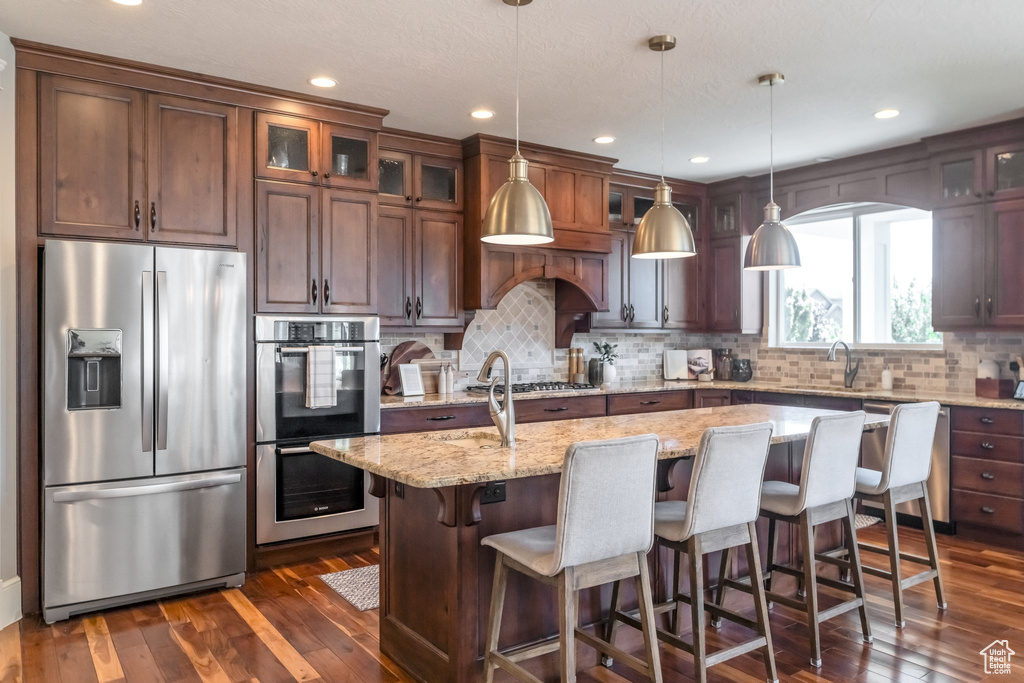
x,y
711,398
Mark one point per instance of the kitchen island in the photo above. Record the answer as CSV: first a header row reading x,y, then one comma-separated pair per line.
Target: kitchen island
x,y
443,491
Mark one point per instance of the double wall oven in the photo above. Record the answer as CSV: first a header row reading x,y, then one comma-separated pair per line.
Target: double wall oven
x,y
300,493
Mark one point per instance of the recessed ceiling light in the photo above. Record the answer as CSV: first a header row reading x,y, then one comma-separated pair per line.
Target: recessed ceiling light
x,y
128,2
699,160
482,114
323,82
887,114
604,139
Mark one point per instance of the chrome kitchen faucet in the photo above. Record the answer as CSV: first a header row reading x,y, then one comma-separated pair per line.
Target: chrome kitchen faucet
x,y
504,415
851,372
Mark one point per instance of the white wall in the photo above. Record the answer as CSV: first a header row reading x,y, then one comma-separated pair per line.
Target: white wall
x,y
10,585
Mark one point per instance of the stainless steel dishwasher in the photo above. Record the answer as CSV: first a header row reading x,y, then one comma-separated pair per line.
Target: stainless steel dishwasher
x,y
938,481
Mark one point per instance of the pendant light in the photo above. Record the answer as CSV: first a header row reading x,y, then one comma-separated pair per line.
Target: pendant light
x,y
518,213
773,246
663,231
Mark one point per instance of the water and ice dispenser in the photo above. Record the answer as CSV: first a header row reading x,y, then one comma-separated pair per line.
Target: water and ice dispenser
x,y
94,369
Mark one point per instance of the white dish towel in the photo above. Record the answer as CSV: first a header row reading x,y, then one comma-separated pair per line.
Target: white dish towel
x,y
320,372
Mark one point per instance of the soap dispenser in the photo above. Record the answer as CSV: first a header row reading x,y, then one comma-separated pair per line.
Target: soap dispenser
x,y
886,379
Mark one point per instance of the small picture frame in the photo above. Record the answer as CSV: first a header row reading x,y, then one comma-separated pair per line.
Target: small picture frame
x,y
1018,391
412,379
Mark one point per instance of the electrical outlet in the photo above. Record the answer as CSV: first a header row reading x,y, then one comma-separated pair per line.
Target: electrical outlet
x,y
494,492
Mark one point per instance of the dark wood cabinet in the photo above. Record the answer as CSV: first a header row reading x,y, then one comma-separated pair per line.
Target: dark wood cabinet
x,y
348,157
976,255
420,181
304,150
191,171
711,398
645,290
649,402
564,408
287,247
395,266
617,315
316,249
437,268
958,178
726,215
724,293
682,293
92,150
348,251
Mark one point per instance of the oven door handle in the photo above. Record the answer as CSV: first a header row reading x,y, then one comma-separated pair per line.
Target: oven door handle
x,y
292,450
305,349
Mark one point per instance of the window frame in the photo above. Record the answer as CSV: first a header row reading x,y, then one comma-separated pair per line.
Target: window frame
x,y
775,302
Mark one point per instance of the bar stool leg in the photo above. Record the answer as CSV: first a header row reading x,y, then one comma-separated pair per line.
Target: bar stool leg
x,y
677,589
810,587
760,606
933,551
568,620
494,621
894,558
613,622
723,571
855,570
773,549
801,589
694,558
645,603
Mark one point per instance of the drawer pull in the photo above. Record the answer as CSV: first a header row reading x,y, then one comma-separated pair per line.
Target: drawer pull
x,y
987,510
556,410
988,476
649,403
987,421
441,417
987,446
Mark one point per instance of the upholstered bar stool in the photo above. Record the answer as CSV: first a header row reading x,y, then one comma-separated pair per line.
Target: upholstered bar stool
x,y
904,478
603,531
827,479
719,512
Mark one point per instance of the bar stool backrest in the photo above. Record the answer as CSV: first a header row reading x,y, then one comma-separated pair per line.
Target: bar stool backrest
x,y
829,470
725,487
606,500
908,447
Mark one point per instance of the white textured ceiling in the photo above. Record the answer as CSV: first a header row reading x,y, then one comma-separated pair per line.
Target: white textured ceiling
x,y
946,64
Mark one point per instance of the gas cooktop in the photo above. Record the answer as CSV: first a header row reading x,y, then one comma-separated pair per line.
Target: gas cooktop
x,y
529,387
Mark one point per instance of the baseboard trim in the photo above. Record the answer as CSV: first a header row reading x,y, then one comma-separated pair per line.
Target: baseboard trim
x,y
10,601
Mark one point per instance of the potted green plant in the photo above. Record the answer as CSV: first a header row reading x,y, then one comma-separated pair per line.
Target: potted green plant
x,y
602,368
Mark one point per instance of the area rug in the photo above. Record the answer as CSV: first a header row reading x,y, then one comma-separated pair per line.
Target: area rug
x,y
864,521
360,586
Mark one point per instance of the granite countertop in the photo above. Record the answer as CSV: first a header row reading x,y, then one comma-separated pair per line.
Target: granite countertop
x,y
435,459
900,395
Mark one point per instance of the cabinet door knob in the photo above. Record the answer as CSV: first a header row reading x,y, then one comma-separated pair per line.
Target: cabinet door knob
x,y
988,306
977,195
441,417
152,216
649,403
327,292
987,510
987,445
559,409
419,307
408,307
988,476
138,215
419,199
977,307
625,313
313,291
408,197
327,175
664,315
991,193
315,174
632,313
987,420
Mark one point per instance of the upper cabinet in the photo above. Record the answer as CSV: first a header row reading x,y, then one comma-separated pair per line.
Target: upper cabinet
x,y
307,151
419,181
972,176
124,164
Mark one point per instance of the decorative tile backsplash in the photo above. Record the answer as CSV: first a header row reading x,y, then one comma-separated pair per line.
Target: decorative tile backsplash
x,y
524,327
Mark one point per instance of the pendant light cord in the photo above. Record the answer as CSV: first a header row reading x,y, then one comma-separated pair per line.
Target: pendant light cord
x,y
517,78
771,141
663,116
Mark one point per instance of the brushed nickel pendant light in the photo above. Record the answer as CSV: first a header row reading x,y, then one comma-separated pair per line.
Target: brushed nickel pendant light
x,y
518,213
663,231
773,246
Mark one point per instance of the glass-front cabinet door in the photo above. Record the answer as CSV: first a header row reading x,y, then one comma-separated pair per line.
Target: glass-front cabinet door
x,y
394,178
616,207
642,202
1005,171
959,178
438,183
349,157
286,148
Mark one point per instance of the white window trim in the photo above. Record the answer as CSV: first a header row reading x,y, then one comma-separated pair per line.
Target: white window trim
x,y
774,300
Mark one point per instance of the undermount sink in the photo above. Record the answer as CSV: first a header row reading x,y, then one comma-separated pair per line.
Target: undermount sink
x,y
464,439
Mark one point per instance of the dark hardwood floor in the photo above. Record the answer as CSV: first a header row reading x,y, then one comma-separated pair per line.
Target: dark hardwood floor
x,y
285,624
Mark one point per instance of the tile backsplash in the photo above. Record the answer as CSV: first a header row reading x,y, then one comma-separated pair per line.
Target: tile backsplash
x,y
523,325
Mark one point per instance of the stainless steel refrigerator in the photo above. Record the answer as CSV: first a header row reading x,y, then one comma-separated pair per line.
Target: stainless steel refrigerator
x,y
144,423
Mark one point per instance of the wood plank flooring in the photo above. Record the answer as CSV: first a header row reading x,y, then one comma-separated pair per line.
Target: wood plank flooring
x,y
285,624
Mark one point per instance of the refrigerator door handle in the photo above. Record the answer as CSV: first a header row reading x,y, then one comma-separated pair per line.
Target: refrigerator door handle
x,y
147,361
146,489
163,348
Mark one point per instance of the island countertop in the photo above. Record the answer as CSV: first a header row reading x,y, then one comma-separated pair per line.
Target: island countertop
x,y
435,460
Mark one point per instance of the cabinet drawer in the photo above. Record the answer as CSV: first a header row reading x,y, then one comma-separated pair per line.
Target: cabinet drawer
x,y
994,512
403,420
545,409
988,446
999,478
649,402
988,421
